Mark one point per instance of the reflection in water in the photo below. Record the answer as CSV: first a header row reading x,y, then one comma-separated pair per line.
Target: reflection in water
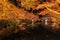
x,y
38,33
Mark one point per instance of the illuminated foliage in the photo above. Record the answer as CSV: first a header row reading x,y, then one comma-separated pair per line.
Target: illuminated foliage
x,y
16,14
28,3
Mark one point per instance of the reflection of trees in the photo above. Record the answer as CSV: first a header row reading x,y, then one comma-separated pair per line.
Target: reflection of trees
x,y
8,26
27,23
51,22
